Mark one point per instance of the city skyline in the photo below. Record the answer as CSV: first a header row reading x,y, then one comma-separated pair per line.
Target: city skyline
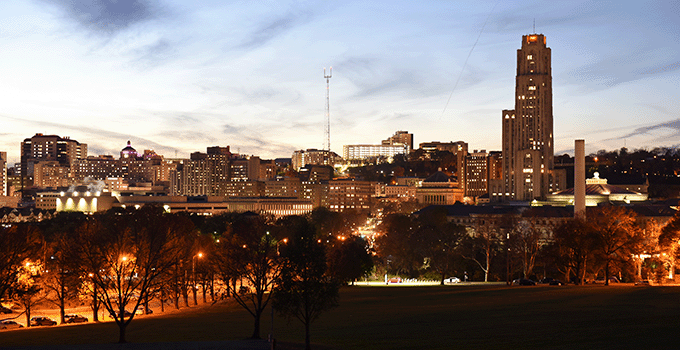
x,y
176,79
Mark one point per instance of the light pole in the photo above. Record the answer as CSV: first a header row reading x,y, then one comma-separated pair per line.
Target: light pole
x,y
193,275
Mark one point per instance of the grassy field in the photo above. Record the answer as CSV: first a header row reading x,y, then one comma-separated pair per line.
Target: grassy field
x,y
433,317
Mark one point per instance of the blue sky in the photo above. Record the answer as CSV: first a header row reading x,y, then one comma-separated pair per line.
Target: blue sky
x,y
179,76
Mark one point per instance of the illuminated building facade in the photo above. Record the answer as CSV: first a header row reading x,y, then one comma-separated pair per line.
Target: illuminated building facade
x,y
458,149
355,152
439,189
51,174
3,174
313,156
477,177
50,148
400,138
528,149
350,194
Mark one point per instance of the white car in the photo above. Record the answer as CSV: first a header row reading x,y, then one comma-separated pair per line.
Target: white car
x,y
452,280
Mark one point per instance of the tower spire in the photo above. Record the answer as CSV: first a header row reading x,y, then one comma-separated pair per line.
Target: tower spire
x,y
327,131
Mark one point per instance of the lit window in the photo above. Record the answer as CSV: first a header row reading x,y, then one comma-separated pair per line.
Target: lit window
x,y
530,57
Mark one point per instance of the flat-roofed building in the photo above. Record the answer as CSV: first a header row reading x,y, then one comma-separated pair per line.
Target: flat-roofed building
x,y
357,152
350,194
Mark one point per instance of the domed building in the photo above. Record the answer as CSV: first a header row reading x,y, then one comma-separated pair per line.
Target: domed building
x,y
128,152
598,191
440,189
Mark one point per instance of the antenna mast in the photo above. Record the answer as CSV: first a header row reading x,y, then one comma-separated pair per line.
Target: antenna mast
x,y
327,131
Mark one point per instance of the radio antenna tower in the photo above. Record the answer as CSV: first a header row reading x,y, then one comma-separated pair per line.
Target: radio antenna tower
x,y
327,131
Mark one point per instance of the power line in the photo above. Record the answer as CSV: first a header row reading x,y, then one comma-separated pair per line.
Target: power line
x,y
466,60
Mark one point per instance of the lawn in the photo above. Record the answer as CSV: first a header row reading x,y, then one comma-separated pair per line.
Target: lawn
x,y
433,317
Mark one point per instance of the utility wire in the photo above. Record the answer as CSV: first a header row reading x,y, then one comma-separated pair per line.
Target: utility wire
x,y
466,60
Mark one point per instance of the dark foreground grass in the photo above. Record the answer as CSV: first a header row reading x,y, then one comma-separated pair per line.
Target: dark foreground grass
x,y
463,317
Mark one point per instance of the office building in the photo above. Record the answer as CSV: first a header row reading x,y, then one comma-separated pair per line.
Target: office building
x,y
50,148
528,148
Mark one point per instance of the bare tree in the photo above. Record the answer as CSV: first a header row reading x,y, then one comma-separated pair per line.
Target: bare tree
x,y
129,249
574,246
18,243
248,253
484,240
526,240
304,288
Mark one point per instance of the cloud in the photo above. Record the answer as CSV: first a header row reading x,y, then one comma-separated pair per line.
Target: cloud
x,y
150,55
95,136
612,71
268,31
673,125
107,16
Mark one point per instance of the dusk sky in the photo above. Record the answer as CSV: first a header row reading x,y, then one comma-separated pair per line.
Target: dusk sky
x,y
179,76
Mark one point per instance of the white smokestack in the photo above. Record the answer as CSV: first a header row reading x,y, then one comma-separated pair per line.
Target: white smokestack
x,y
580,178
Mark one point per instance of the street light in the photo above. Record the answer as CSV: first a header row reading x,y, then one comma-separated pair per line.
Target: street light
x,y
193,275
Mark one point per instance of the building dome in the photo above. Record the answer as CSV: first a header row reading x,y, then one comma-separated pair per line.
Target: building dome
x,y
128,151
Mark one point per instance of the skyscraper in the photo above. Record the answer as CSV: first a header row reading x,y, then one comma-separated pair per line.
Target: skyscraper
x,y
528,149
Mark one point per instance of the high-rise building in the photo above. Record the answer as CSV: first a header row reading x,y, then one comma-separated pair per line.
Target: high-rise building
x,y
400,138
50,148
314,156
528,149
477,176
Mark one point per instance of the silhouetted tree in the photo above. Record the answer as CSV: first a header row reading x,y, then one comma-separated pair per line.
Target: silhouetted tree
x,y
18,243
349,258
249,253
574,247
304,290
128,250
439,240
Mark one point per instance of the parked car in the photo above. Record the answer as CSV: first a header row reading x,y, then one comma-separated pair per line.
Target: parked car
x,y
140,311
546,280
73,318
4,310
394,280
452,280
42,321
612,279
126,314
556,283
642,283
9,324
524,282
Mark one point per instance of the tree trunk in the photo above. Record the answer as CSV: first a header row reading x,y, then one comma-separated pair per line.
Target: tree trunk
x,y
185,292
256,330
193,289
212,286
162,299
28,316
606,273
62,303
486,272
308,345
121,335
95,305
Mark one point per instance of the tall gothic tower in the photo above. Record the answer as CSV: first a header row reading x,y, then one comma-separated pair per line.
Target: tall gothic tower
x,y
528,129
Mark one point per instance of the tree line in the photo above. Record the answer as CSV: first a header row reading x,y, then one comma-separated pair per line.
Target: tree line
x,y
123,259
611,241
